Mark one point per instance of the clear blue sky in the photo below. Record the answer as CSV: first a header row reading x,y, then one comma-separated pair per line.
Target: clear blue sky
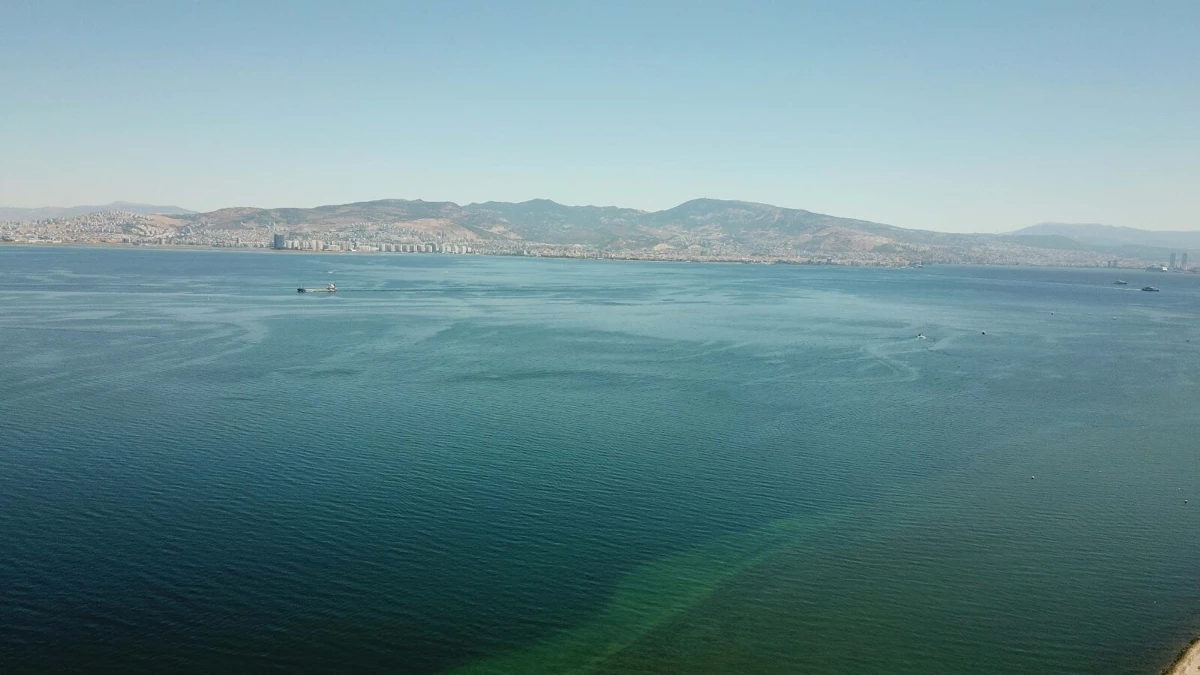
x,y
958,116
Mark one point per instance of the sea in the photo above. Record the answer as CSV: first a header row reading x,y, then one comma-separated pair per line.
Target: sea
x,y
472,464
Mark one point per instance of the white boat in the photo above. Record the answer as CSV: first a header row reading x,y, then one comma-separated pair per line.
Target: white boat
x,y
328,289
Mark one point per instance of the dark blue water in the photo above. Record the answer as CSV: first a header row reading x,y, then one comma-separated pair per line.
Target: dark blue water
x,y
510,465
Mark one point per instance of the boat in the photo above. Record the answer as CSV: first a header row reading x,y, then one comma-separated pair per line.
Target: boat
x,y
328,289
1150,288
1121,282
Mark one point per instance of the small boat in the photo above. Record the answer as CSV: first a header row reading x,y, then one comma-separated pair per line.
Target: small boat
x,y
1121,282
1150,288
921,336
328,289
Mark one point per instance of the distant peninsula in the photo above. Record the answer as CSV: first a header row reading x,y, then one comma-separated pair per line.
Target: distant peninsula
x,y
701,230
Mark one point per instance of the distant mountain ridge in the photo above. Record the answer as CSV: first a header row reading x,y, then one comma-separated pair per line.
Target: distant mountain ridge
x,y
18,214
708,224
700,229
546,221
1113,235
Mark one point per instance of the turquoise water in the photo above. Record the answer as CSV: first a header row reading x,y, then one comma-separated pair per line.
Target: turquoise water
x,y
511,465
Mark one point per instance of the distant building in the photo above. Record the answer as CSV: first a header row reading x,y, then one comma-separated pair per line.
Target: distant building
x,y
1172,265
1183,260
278,244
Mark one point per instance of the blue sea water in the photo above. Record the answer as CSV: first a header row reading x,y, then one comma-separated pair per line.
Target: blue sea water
x,y
523,465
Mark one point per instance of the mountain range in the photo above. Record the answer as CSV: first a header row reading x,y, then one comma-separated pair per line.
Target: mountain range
x,y
545,221
1114,236
737,222
13,213
700,228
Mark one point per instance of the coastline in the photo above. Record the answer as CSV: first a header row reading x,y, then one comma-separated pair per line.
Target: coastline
x,y
1188,661
549,256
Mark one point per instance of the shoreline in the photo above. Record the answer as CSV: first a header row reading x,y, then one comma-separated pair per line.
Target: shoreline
x,y
734,261
1188,661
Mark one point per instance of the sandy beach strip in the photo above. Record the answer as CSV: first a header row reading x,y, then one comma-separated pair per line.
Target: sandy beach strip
x,y
1188,662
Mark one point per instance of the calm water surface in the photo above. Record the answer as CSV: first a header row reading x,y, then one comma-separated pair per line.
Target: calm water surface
x,y
507,465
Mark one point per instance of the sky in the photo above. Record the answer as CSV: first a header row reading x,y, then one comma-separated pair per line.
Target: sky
x,y
956,116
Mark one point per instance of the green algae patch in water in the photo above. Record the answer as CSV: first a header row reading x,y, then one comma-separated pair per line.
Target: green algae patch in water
x,y
653,595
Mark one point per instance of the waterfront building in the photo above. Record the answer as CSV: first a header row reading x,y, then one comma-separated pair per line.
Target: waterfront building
x,y
278,243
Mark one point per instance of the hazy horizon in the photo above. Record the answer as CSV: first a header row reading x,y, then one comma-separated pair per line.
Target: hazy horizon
x,y
948,117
